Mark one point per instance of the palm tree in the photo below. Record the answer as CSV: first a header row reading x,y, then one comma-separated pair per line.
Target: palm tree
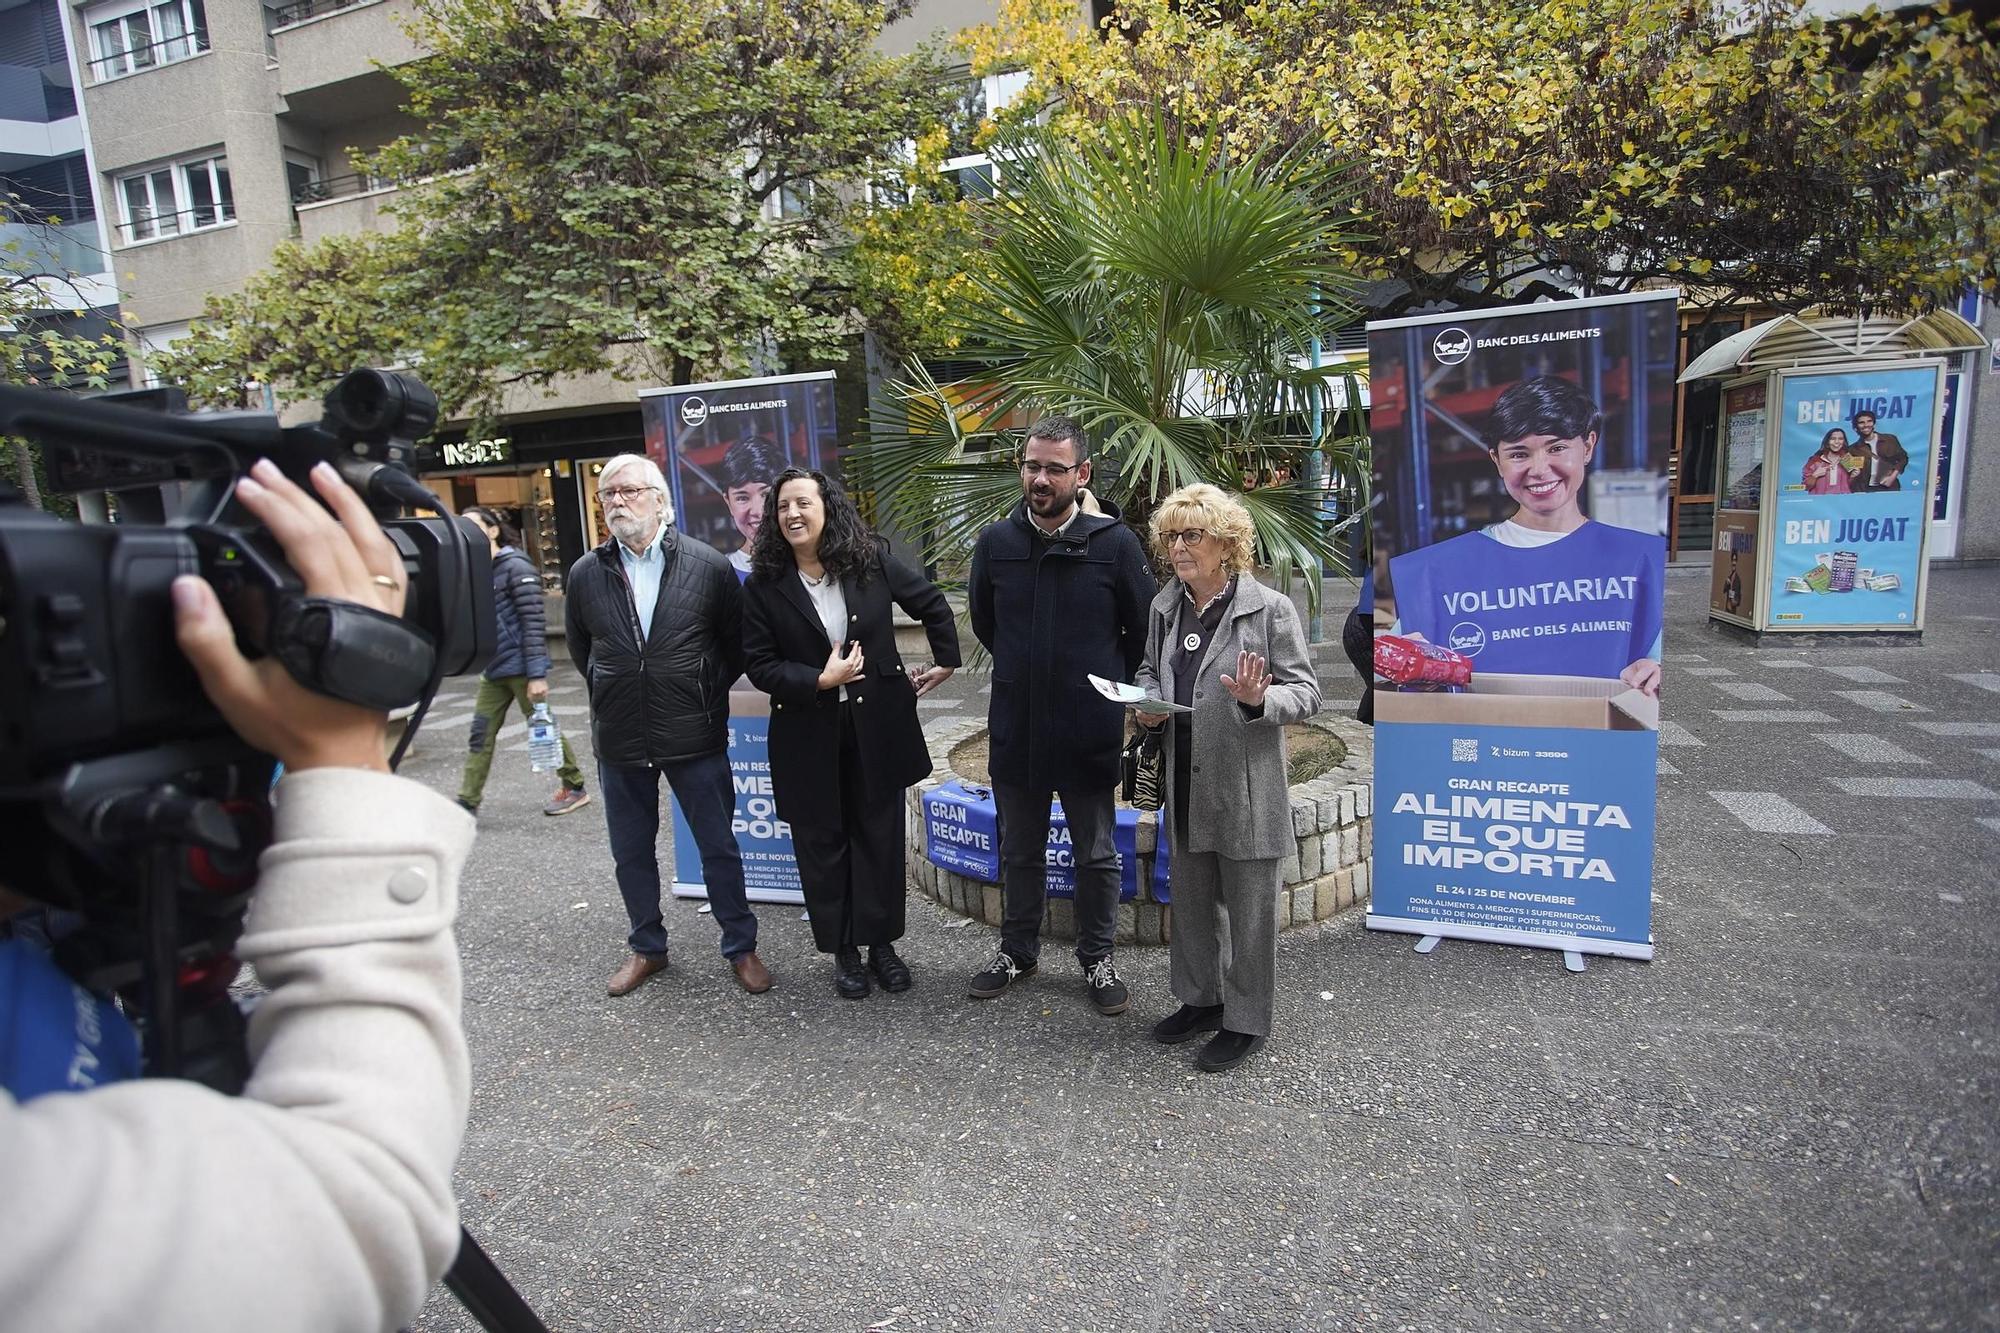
x,y
1169,295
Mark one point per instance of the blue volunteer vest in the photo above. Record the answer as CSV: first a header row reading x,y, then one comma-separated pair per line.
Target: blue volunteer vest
x,y
55,1036
1587,605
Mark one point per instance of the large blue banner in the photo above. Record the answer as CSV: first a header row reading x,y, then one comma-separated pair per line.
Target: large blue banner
x,y
770,875
962,834
1528,830
1854,454
1521,458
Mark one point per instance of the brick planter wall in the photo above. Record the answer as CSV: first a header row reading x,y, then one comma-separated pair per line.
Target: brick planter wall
x,y
1326,872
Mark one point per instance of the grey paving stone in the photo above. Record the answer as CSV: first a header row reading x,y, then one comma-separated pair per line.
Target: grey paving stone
x,y
1787,1120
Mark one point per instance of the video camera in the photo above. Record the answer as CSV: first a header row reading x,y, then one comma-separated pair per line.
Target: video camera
x,y
115,770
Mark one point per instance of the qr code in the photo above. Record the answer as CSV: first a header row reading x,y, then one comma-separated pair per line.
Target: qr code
x,y
1464,751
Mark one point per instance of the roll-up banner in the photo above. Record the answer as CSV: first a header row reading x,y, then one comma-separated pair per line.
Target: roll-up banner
x,y
1521,460
720,446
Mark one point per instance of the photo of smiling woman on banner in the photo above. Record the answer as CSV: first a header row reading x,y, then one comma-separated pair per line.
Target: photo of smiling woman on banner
x,y
1546,590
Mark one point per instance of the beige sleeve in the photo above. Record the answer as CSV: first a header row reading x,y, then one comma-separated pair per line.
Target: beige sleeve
x,y
322,1197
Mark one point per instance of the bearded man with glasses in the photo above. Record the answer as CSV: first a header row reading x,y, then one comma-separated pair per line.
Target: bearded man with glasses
x,y
1059,593
655,626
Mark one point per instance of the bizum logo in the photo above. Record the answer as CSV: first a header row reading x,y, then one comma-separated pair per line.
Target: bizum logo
x,y
1451,346
694,411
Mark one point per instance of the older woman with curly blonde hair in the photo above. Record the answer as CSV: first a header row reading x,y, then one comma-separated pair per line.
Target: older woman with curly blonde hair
x,y
1232,651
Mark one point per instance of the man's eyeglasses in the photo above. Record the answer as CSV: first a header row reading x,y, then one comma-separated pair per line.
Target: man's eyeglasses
x,y
1053,471
1187,536
624,493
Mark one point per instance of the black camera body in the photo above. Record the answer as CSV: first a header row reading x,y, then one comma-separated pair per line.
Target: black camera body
x,y
124,796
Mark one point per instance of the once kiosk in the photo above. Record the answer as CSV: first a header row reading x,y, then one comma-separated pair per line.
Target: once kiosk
x,y
1829,444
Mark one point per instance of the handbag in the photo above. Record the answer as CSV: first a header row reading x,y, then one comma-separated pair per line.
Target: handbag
x,y
1142,781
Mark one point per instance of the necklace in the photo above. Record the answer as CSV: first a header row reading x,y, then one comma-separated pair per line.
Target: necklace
x,y
812,582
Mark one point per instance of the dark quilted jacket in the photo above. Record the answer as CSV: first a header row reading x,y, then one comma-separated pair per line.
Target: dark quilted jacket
x,y
521,647
668,701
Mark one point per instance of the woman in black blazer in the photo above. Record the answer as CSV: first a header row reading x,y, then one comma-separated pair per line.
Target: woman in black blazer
x,y
845,740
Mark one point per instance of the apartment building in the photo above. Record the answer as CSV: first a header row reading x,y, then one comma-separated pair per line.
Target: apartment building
x,y
221,128
56,230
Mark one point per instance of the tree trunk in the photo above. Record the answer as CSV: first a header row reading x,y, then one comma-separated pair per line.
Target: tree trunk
x,y
24,471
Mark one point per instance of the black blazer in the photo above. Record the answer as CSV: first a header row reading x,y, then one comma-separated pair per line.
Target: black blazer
x,y
785,648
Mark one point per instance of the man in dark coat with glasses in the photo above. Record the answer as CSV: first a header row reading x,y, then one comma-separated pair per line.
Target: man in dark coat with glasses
x,y
1058,593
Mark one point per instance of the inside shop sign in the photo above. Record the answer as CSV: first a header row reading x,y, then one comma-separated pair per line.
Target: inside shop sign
x,y
479,453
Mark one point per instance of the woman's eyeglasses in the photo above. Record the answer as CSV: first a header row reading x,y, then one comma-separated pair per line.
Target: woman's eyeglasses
x,y
1184,536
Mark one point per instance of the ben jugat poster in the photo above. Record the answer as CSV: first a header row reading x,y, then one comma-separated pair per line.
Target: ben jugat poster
x,y
1521,456
1853,496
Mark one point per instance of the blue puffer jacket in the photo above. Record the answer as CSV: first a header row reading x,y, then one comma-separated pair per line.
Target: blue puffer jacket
x,y
521,648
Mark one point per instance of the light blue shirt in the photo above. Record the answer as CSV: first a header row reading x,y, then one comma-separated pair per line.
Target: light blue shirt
x,y
644,571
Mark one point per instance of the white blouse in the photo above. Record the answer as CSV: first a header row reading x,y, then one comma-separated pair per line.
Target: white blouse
x,y
831,603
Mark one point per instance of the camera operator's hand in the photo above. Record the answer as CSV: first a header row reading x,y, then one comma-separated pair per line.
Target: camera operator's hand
x,y
349,559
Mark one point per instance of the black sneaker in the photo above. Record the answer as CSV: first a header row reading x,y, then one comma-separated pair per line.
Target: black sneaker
x,y
1002,972
1228,1050
1107,992
1187,1022
467,806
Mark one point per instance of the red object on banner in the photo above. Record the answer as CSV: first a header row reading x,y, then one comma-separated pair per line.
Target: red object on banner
x,y
1404,661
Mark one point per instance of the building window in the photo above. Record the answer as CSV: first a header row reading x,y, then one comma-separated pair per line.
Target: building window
x,y
127,38
179,197
794,200
302,177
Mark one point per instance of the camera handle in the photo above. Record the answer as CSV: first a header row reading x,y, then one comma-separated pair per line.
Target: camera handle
x,y
486,1293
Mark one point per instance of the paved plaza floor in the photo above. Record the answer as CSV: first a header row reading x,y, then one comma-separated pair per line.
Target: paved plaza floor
x,y
1788,1120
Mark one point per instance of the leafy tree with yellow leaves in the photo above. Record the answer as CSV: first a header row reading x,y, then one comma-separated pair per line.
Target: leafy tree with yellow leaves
x,y
1745,151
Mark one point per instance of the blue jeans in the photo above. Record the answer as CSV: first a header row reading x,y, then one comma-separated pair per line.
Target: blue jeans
x,y
632,816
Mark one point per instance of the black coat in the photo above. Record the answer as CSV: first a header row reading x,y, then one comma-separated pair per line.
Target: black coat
x,y
521,644
668,702
786,647
1052,612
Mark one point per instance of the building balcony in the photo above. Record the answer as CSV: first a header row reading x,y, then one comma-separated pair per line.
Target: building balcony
x,y
71,247
344,206
328,53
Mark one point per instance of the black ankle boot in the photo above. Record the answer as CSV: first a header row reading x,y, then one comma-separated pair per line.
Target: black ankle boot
x,y
891,971
850,978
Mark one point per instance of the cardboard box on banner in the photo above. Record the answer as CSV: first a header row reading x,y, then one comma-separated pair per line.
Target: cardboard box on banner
x,y
1588,703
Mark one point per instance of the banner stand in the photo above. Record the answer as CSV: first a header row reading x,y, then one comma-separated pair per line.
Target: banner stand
x,y
1521,459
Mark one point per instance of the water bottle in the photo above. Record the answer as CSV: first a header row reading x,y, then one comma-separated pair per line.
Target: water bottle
x,y
544,740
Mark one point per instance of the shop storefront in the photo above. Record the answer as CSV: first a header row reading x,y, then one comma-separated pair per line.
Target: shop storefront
x,y
540,475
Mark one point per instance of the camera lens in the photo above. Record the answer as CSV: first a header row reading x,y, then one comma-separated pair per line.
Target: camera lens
x,y
380,405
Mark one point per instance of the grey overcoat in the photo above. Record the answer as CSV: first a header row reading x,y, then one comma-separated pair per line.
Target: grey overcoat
x,y
1239,804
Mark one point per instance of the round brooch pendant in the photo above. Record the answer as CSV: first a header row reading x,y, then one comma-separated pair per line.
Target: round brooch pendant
x,y
1191,642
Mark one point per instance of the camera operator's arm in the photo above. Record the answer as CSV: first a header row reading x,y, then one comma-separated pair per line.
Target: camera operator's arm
x,y
322,1197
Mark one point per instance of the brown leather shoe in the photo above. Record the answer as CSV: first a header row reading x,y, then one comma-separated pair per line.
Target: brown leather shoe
x,y
637,968
751,974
